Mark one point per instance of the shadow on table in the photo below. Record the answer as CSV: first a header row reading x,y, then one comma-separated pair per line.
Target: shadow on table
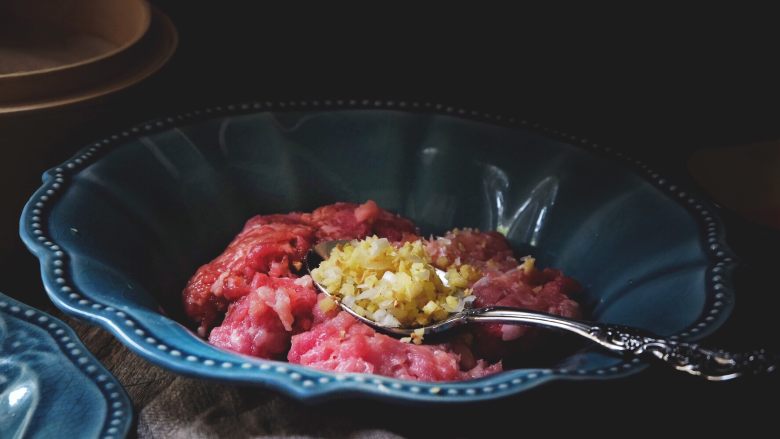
x,y
656,402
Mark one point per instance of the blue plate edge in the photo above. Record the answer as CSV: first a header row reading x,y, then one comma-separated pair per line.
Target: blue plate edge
x,y
122,428
725,262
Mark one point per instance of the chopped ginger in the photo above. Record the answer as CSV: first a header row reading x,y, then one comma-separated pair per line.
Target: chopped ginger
x,y
393,286
326,304
528,264
416,337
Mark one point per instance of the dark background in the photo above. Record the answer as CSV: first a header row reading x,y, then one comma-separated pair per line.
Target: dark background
x,y
626,87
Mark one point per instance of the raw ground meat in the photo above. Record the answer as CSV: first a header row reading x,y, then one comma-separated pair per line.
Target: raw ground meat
x,y
352,221
261,247
547,291
487,251
266,311
276,245
394,227
261,322
504,284
339,221
342,344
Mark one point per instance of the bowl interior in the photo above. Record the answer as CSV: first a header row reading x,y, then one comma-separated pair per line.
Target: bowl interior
x,y
137,222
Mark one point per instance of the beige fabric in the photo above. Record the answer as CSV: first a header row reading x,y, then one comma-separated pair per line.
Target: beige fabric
x,y
190,408
171,406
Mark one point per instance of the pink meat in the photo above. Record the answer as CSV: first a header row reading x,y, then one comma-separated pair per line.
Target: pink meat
x,y
320,316
267,244
342,344
338,221
394,227
261,323
353,221
275,245
268,312
487,251
547,291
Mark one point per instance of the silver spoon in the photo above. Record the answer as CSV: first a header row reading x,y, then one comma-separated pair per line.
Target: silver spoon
x,y
713,365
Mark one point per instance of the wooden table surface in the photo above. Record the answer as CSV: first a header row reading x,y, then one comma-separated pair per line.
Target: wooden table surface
x,y
217,64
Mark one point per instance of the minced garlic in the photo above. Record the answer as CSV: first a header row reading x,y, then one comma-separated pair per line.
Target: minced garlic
x,y
528,264
393,286
416,337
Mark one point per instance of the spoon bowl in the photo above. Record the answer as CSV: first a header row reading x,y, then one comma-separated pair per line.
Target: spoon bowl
x,y
322,251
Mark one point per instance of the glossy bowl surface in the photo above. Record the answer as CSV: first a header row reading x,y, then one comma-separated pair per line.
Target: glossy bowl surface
x,y
121,226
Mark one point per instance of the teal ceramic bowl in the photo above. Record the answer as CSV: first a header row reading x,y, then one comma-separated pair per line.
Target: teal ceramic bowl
x,y
121,226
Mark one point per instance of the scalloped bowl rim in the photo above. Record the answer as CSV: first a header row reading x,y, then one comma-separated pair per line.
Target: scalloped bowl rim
x,y
312,385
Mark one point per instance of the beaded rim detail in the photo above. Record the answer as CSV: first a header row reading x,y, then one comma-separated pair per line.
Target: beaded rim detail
x,y
306,383
119,410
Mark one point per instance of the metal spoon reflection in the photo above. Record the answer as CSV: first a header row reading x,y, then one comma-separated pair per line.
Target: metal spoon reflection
x,y
714,365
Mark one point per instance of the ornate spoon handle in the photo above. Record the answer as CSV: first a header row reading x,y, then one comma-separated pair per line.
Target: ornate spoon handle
x,y
714,365
711,364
